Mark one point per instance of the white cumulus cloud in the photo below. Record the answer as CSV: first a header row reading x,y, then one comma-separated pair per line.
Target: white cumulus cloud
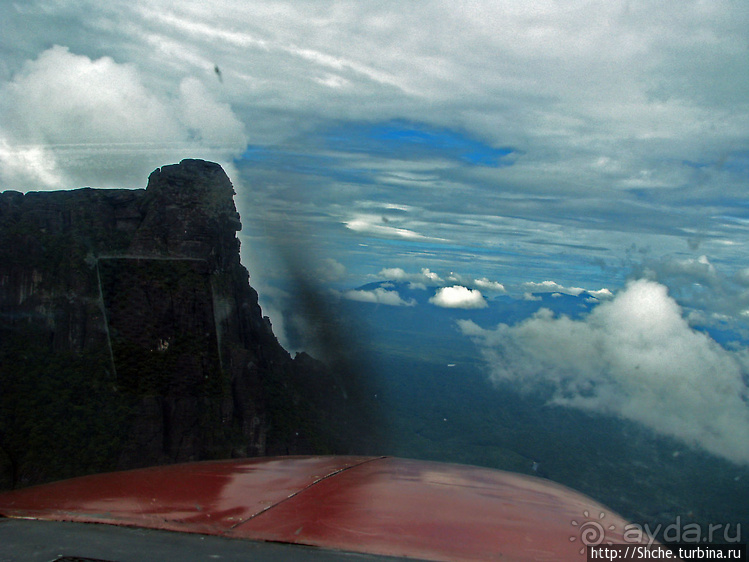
x,y
551,287
67,120
458,296
330,270
419,280
490,285
601,294
213,123
634,356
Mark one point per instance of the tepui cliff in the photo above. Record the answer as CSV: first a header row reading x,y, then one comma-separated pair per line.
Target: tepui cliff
x,y
130,336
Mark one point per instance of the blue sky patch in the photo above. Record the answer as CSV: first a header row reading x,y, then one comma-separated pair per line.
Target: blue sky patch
x,y
735,162
405,139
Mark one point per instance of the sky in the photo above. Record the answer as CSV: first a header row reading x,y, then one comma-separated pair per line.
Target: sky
x,y
482,148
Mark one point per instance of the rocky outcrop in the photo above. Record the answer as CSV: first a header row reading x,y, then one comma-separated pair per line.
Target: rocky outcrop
x,y
130,336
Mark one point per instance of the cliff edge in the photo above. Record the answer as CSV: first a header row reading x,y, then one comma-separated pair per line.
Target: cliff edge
x,y
130,336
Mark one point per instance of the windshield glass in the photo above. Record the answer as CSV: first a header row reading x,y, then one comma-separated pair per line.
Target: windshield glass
x,y
514,233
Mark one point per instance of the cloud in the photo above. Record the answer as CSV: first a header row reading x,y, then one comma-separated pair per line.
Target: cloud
x,y
209,122
394,273
742,277
551,287
375,226
636,357
378,296
489,285
424,278
531,289
713,297
601,294
330,270
693,270
28,165
68,119
483,283
63,98
458,297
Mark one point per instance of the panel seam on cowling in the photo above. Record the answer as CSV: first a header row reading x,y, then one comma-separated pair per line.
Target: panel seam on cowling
x,y
307,487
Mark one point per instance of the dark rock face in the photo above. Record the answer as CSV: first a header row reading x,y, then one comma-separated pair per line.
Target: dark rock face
x,y
130,336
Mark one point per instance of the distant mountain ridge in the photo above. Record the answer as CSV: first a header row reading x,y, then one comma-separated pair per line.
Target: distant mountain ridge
x,y
505,309
500,308
420,328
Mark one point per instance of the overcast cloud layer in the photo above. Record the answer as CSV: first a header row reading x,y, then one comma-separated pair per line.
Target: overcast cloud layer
x,y
493,146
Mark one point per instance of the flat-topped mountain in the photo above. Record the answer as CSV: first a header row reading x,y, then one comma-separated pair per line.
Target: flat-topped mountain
x,y
130,336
